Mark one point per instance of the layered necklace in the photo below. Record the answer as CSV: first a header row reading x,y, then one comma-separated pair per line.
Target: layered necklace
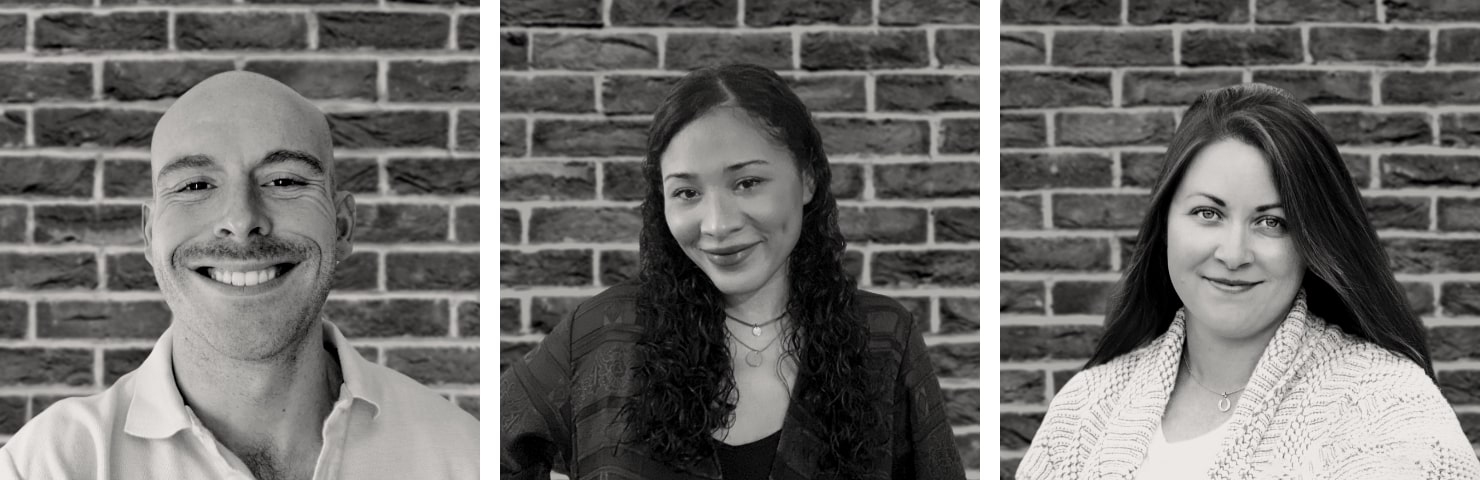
x,y
755,356
1224,403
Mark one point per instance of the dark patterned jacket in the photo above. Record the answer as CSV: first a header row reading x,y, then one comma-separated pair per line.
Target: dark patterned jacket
x,y
559,405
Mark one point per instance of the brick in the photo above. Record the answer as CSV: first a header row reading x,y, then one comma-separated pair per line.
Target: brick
x,y
882,225
1147,12
1429,11
932,180
1457,214
468,404
1032,171
1420,297
1460,299
361,271
46,366
624,181
13,32
868,51
547,312
1112,48
89,127
775,13
383,30
1021,386
13,318
1049,342
46,177
467,130
435,365
847,181
1172,88
1459,129
1061,377
508,315
1363,128
1360,168
1431,88
561,94
1470,423
153,80
557,13
89,224
113,31
432,176
467,319
587,138
969,446
465,225
1061,12
511,135
958,47
1291,11
1017,429
547,181
618,266
510,228
241,31
1107,129
957,224
130,271
13,224
467,32
959,135
912,269
825,93
396,317
1458,45
389,129
927,93
1321,87
917,12
1099,211
1022,48
357,175
1022,213
688,51
101,319
1081,298
13,129
513,51
955,360
1259,46
1022,297
853,263
1055,89
392,223
584,225
421,81
1459,386
568,268
1055,254
350,79
1405,213
1410,170
12,414
674,13
959,315
841,136
594,51
624,94
431,271
1453,343
962,406
1360,44
1423,255
26,82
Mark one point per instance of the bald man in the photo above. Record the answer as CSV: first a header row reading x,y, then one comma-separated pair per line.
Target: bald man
x,y
243,232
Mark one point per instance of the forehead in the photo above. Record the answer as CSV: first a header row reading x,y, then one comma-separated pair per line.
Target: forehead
x,y
238,123
1231,170
722,136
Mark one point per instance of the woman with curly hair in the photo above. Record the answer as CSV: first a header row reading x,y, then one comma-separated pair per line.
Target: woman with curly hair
x,y
744,349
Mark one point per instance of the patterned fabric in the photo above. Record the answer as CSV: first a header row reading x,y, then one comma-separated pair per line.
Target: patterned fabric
x,y
1320,404
559,405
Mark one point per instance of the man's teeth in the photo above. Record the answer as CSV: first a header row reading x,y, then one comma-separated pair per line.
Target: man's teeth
x,y
243,279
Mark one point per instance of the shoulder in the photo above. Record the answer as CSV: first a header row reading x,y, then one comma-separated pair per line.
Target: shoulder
x,y
615,305
413,408
1346,366
883,314
70,434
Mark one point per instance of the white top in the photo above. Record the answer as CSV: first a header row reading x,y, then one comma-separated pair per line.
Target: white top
x,y
1187,459
383,426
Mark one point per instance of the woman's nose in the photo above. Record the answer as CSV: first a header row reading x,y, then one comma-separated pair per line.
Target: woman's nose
x,y
1233,249
721,217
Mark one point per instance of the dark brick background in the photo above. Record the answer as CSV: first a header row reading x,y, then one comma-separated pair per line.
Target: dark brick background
x,y
1090,99
81,87
894,86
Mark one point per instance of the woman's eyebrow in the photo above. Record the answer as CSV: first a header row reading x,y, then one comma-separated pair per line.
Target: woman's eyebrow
x,y
1221,203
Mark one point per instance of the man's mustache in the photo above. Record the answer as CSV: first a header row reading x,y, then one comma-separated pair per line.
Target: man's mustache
x,y
260,248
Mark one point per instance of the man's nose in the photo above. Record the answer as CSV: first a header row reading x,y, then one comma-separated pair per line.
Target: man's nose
x,y
244,215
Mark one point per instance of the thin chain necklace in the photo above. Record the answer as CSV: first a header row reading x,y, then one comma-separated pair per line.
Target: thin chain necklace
x,y
754,358
1224,403
755,328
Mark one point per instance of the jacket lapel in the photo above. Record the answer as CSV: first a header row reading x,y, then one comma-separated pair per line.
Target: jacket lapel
x,y
1129,429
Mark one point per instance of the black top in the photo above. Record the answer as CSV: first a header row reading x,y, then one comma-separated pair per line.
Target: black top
x,y
751,461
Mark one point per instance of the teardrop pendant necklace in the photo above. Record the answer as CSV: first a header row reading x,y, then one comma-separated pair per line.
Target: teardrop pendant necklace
x,y
755,328
1224,403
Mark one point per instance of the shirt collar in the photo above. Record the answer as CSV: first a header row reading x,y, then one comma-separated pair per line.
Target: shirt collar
x,y
157,410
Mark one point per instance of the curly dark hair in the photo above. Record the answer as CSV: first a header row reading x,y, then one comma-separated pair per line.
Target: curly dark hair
x,y
684,372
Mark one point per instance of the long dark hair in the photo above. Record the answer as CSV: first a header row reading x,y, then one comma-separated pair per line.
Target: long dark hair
x,y
684,377
1347,279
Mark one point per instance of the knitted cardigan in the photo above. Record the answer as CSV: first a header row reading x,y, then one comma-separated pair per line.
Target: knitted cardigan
x,y
1320,404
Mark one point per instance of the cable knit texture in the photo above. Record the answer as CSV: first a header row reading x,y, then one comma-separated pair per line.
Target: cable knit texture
x,y
1320,404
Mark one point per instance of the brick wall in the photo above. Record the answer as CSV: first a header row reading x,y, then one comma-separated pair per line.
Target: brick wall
x,y
1093,90
82,83
893,85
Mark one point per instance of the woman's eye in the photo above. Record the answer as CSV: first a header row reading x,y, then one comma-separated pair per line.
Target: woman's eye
x,y
748,183
1274,223
195,186
685,194
286,182
1205,214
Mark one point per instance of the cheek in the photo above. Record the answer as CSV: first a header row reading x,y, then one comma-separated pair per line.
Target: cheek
x,y
1283,261
681,225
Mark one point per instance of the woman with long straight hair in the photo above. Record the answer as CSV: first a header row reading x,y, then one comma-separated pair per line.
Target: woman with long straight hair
x,y
1257,331
744,349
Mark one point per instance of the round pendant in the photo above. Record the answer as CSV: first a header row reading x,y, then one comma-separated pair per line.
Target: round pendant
x,y
1224,404
754,359
755,331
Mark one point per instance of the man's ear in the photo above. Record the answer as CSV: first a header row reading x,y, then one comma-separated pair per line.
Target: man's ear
x,y
147,233
344,225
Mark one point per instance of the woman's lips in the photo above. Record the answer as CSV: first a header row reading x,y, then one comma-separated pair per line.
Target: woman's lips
x,y
728,257
1231,286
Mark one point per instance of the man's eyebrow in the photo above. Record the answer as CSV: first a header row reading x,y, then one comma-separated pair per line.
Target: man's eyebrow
x,y
289,156
185,163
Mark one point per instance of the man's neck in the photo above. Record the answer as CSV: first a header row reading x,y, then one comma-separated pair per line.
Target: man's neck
x,y
274,408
